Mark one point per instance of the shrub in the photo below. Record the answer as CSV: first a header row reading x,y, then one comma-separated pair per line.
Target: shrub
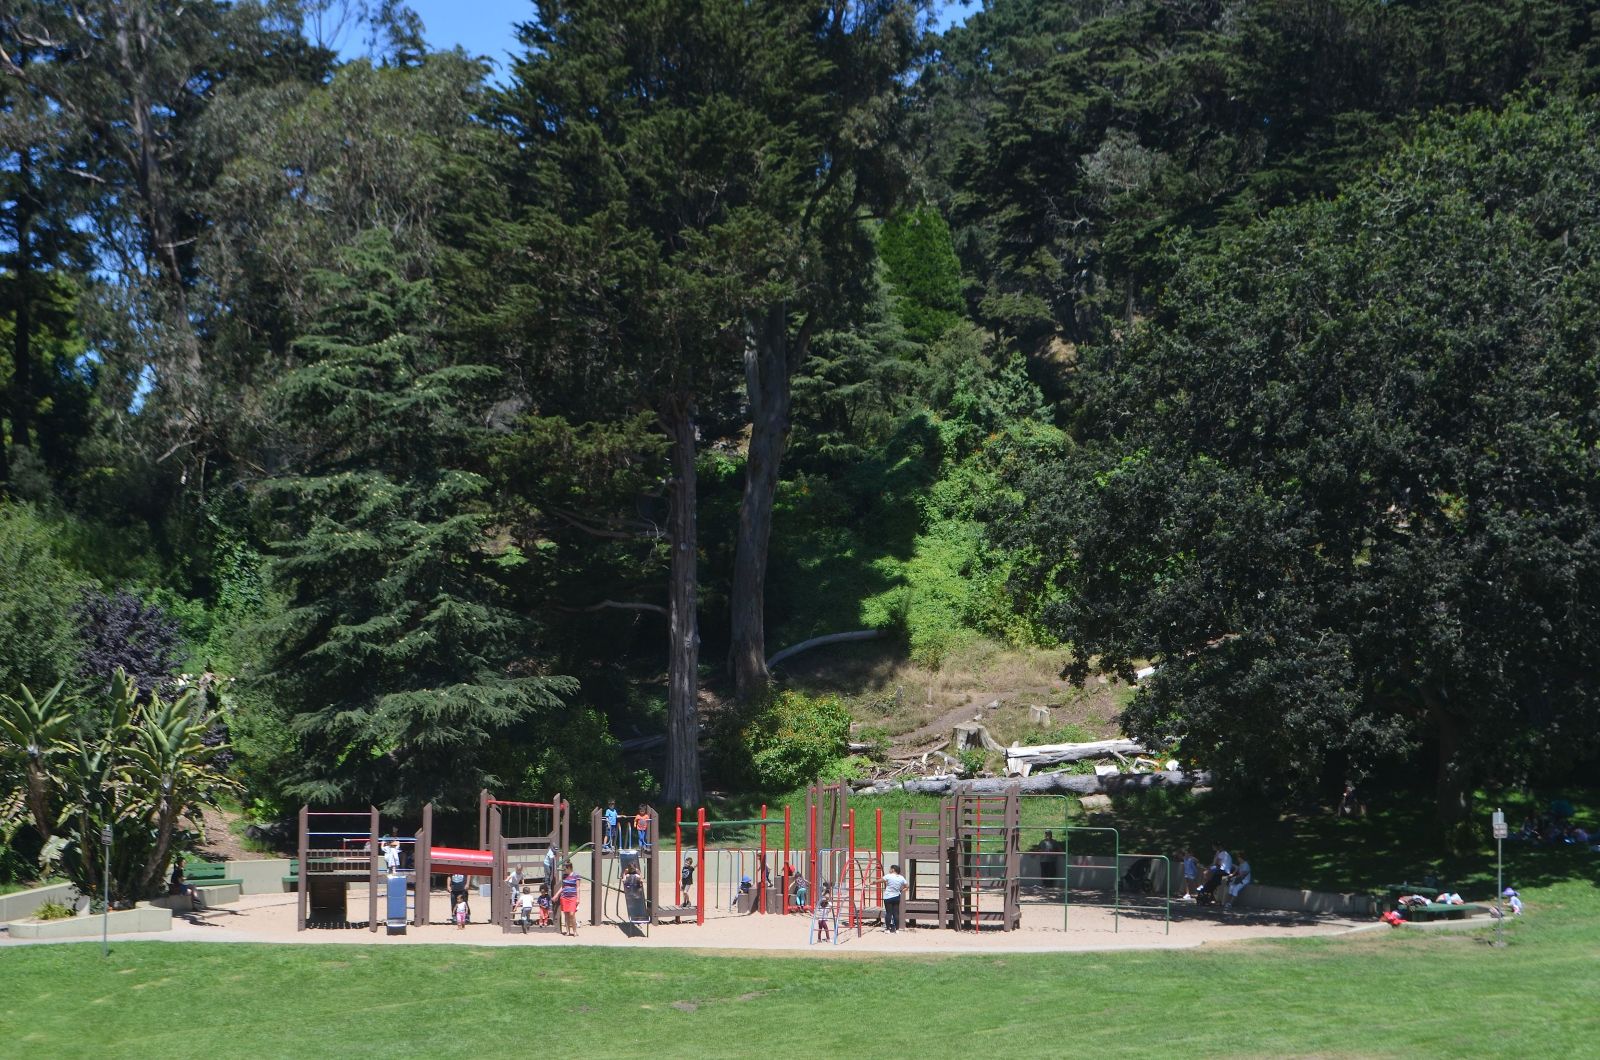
x,y
794,737
972,761
54,910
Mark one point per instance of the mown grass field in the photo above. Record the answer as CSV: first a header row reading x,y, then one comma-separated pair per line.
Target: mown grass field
x,y
1402,992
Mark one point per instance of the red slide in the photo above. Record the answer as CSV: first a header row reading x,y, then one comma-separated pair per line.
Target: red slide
x,y
459,859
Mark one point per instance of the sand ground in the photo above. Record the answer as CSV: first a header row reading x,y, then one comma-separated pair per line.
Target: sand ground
x,y
270,918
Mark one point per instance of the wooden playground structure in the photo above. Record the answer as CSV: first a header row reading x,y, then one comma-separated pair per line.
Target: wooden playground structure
x,y
963,864
333,856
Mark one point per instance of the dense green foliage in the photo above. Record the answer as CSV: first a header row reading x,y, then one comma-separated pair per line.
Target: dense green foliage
x,y
1343,488
38,637
793,737
133,764
465,428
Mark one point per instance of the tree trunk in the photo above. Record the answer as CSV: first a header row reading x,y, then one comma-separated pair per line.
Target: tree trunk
x,y
1453,780
22,399
682,787
766,376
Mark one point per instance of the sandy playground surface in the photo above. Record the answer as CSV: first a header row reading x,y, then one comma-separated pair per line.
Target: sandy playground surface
x,y
271,918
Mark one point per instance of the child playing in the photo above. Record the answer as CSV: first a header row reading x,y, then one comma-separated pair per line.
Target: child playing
x,y
569,900
525,907
514,888
800,890
641,827
461,915
544,906
1191,874
685,881
610,842
824,913
632,882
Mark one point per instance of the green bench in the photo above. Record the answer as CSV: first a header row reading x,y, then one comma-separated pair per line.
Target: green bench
x,y
1436,911
291,882
208,874
1431,911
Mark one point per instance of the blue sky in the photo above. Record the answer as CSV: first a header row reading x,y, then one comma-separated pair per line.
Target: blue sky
x,y
484,27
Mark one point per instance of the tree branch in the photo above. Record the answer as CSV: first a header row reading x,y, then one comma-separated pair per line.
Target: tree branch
x,y
623,605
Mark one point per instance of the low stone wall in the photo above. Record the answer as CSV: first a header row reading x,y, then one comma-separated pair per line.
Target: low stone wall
x,y
1265,896
23,903
140,918
259,876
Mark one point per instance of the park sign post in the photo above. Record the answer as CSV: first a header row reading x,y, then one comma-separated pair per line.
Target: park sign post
x,y
105,908
1499,877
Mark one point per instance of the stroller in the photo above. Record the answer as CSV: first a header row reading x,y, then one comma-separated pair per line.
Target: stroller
x,y
1140,878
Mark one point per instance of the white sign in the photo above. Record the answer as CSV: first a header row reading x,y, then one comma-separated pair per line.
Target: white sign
x,y
1500,825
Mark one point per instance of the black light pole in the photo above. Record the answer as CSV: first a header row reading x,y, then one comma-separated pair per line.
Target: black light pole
x,y
105,912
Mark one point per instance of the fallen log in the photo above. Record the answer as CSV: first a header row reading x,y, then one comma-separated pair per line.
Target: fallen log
x,y
1044,783
1023,760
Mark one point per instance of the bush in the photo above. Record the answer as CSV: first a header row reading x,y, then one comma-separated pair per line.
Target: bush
x,y
54,911
38,637
794,737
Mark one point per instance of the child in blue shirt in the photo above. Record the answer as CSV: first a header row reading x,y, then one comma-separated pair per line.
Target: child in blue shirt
x,y
610,842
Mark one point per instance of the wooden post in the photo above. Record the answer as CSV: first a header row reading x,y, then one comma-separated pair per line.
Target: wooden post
x,y
422,869
374,873
301,887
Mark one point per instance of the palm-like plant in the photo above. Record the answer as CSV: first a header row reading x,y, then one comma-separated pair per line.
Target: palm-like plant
x,y
32,735
139,773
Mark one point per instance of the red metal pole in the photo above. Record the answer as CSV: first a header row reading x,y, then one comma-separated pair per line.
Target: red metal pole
x,y
677,846
851,869
816,884
700,875
761,866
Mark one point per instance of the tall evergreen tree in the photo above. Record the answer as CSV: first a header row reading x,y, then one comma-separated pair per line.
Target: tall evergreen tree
x,y
395,657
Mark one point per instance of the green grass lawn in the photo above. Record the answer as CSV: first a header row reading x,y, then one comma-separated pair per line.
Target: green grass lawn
x,y
1402,992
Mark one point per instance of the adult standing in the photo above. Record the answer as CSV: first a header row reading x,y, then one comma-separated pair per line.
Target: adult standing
x,y
552,858
894,885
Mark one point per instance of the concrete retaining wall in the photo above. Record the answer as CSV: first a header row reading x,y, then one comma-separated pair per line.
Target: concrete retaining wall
x,y
259,876
23,903
122,921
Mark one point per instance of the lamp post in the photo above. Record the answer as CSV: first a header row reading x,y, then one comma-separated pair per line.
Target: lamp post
x,y
1500,833
105,909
